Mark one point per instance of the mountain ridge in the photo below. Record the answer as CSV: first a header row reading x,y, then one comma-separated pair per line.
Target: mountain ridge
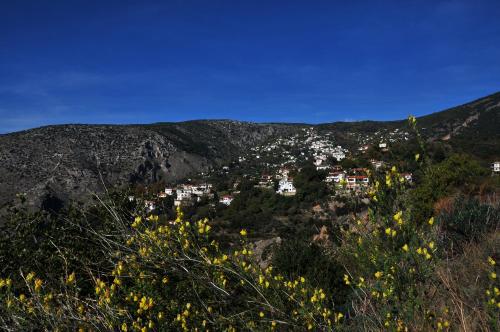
x,y
73,160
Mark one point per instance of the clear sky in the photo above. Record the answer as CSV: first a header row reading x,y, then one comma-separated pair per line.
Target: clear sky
x,y
290,61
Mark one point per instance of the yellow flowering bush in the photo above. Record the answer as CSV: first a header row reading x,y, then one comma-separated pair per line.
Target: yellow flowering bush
x,y
394,264
171,276
389,260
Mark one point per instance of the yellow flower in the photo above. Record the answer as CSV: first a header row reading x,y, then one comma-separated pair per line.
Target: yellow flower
x,y
378,274
30,276
398,217
346,279
491,261
493,275
38,284
390,232
243,232
405,247
153,218
431,221
417,157
412,120
137,221
261,314
431,245
124,327
70,279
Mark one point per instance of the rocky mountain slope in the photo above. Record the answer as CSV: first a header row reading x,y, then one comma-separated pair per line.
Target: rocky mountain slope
x,y
71,161
471,128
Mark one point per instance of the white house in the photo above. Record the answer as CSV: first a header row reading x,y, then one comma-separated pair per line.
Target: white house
x,y
376,163
150,205
282,173
357,181
322,167
335,177
206,187
382,145
318,161
197,191
495,167
286,187
363,148
183,194
339,155
407,176
226,200
169,191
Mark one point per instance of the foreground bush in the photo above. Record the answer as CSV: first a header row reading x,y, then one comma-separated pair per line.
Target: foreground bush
x,y
167,276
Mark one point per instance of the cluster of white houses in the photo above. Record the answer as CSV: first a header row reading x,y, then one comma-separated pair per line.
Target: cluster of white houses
x,y
188,193
355,179
358,179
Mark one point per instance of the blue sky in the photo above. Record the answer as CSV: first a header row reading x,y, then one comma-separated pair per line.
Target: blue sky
x,y
290,61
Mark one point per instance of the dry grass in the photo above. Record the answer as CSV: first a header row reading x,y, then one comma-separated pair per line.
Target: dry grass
x,y
464,279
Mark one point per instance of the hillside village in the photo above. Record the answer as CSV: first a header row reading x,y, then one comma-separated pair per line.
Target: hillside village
x,y
272,166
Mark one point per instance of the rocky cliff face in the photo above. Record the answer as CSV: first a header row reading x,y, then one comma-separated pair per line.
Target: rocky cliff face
x,y
71,161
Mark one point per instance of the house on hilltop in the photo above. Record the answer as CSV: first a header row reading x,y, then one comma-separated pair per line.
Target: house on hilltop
x,y
286,187
495,167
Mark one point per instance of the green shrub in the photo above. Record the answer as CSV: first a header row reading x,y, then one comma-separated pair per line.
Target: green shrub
x,y
468,221
298,257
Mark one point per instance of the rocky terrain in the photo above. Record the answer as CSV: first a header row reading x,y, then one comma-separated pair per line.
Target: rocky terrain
x,y
71,161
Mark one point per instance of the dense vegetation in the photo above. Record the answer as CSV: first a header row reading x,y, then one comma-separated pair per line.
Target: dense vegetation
x,y
422,257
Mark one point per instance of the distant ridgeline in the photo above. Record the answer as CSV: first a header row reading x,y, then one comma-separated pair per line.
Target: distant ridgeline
x,y
70,161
